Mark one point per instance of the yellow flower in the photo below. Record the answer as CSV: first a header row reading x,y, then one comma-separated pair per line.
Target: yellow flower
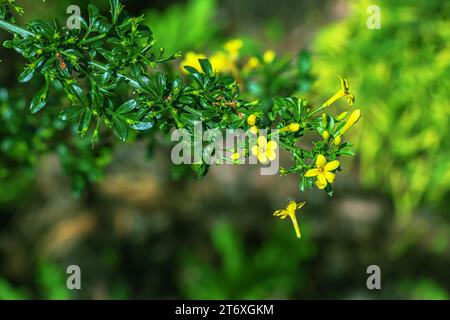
x,y
191,59
269,56
265,151
343,92
222,63
354,117
235,156
233,47
290,211
254,130
323,171
251,64
251,120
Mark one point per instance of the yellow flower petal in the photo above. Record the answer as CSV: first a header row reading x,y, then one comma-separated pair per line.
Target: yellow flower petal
x,y
321,181
300,204
280,213
320,161
271,154
291,207
255,150
312,172
330,166
330,176
262,141
272,145
262,157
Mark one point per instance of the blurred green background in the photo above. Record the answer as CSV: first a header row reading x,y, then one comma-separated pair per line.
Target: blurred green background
x,y
137,232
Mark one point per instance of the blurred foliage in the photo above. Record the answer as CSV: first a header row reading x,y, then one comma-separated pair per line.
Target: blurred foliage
x,y
26,137
50,284
400,74
185,26
267,273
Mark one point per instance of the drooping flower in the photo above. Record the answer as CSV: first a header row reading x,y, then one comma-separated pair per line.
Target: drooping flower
x,y
323,171
290,210
191,59
265,151
343,92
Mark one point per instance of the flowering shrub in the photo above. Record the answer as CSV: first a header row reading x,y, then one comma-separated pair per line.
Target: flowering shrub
x,y
405,92
89,69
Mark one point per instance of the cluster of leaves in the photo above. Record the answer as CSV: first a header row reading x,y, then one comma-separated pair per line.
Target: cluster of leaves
x,y
115,54
404,89
26,137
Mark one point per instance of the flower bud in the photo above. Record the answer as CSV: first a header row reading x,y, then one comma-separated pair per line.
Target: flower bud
x,y
324,120
294,127
337,141
354,117
325,136
341,116
251,120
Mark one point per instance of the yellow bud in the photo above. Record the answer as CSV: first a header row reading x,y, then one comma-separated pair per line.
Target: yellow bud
x,y
269,56
341,116
325,135
235,156
354,117
251,120
294,127
337,141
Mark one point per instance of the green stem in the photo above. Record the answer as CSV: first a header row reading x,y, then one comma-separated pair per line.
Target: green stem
x,y
100,66
15,29
316,111
93,39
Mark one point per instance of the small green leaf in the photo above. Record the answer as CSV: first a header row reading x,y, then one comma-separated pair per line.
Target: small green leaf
x,y
206,66
26,74
70,113
120,128
127,107
40,99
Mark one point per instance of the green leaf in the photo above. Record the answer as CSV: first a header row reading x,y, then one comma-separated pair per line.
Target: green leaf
x,y
127,107
115,9
206,66
85,122
26,74
141,125
70,113
40,99
120,128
